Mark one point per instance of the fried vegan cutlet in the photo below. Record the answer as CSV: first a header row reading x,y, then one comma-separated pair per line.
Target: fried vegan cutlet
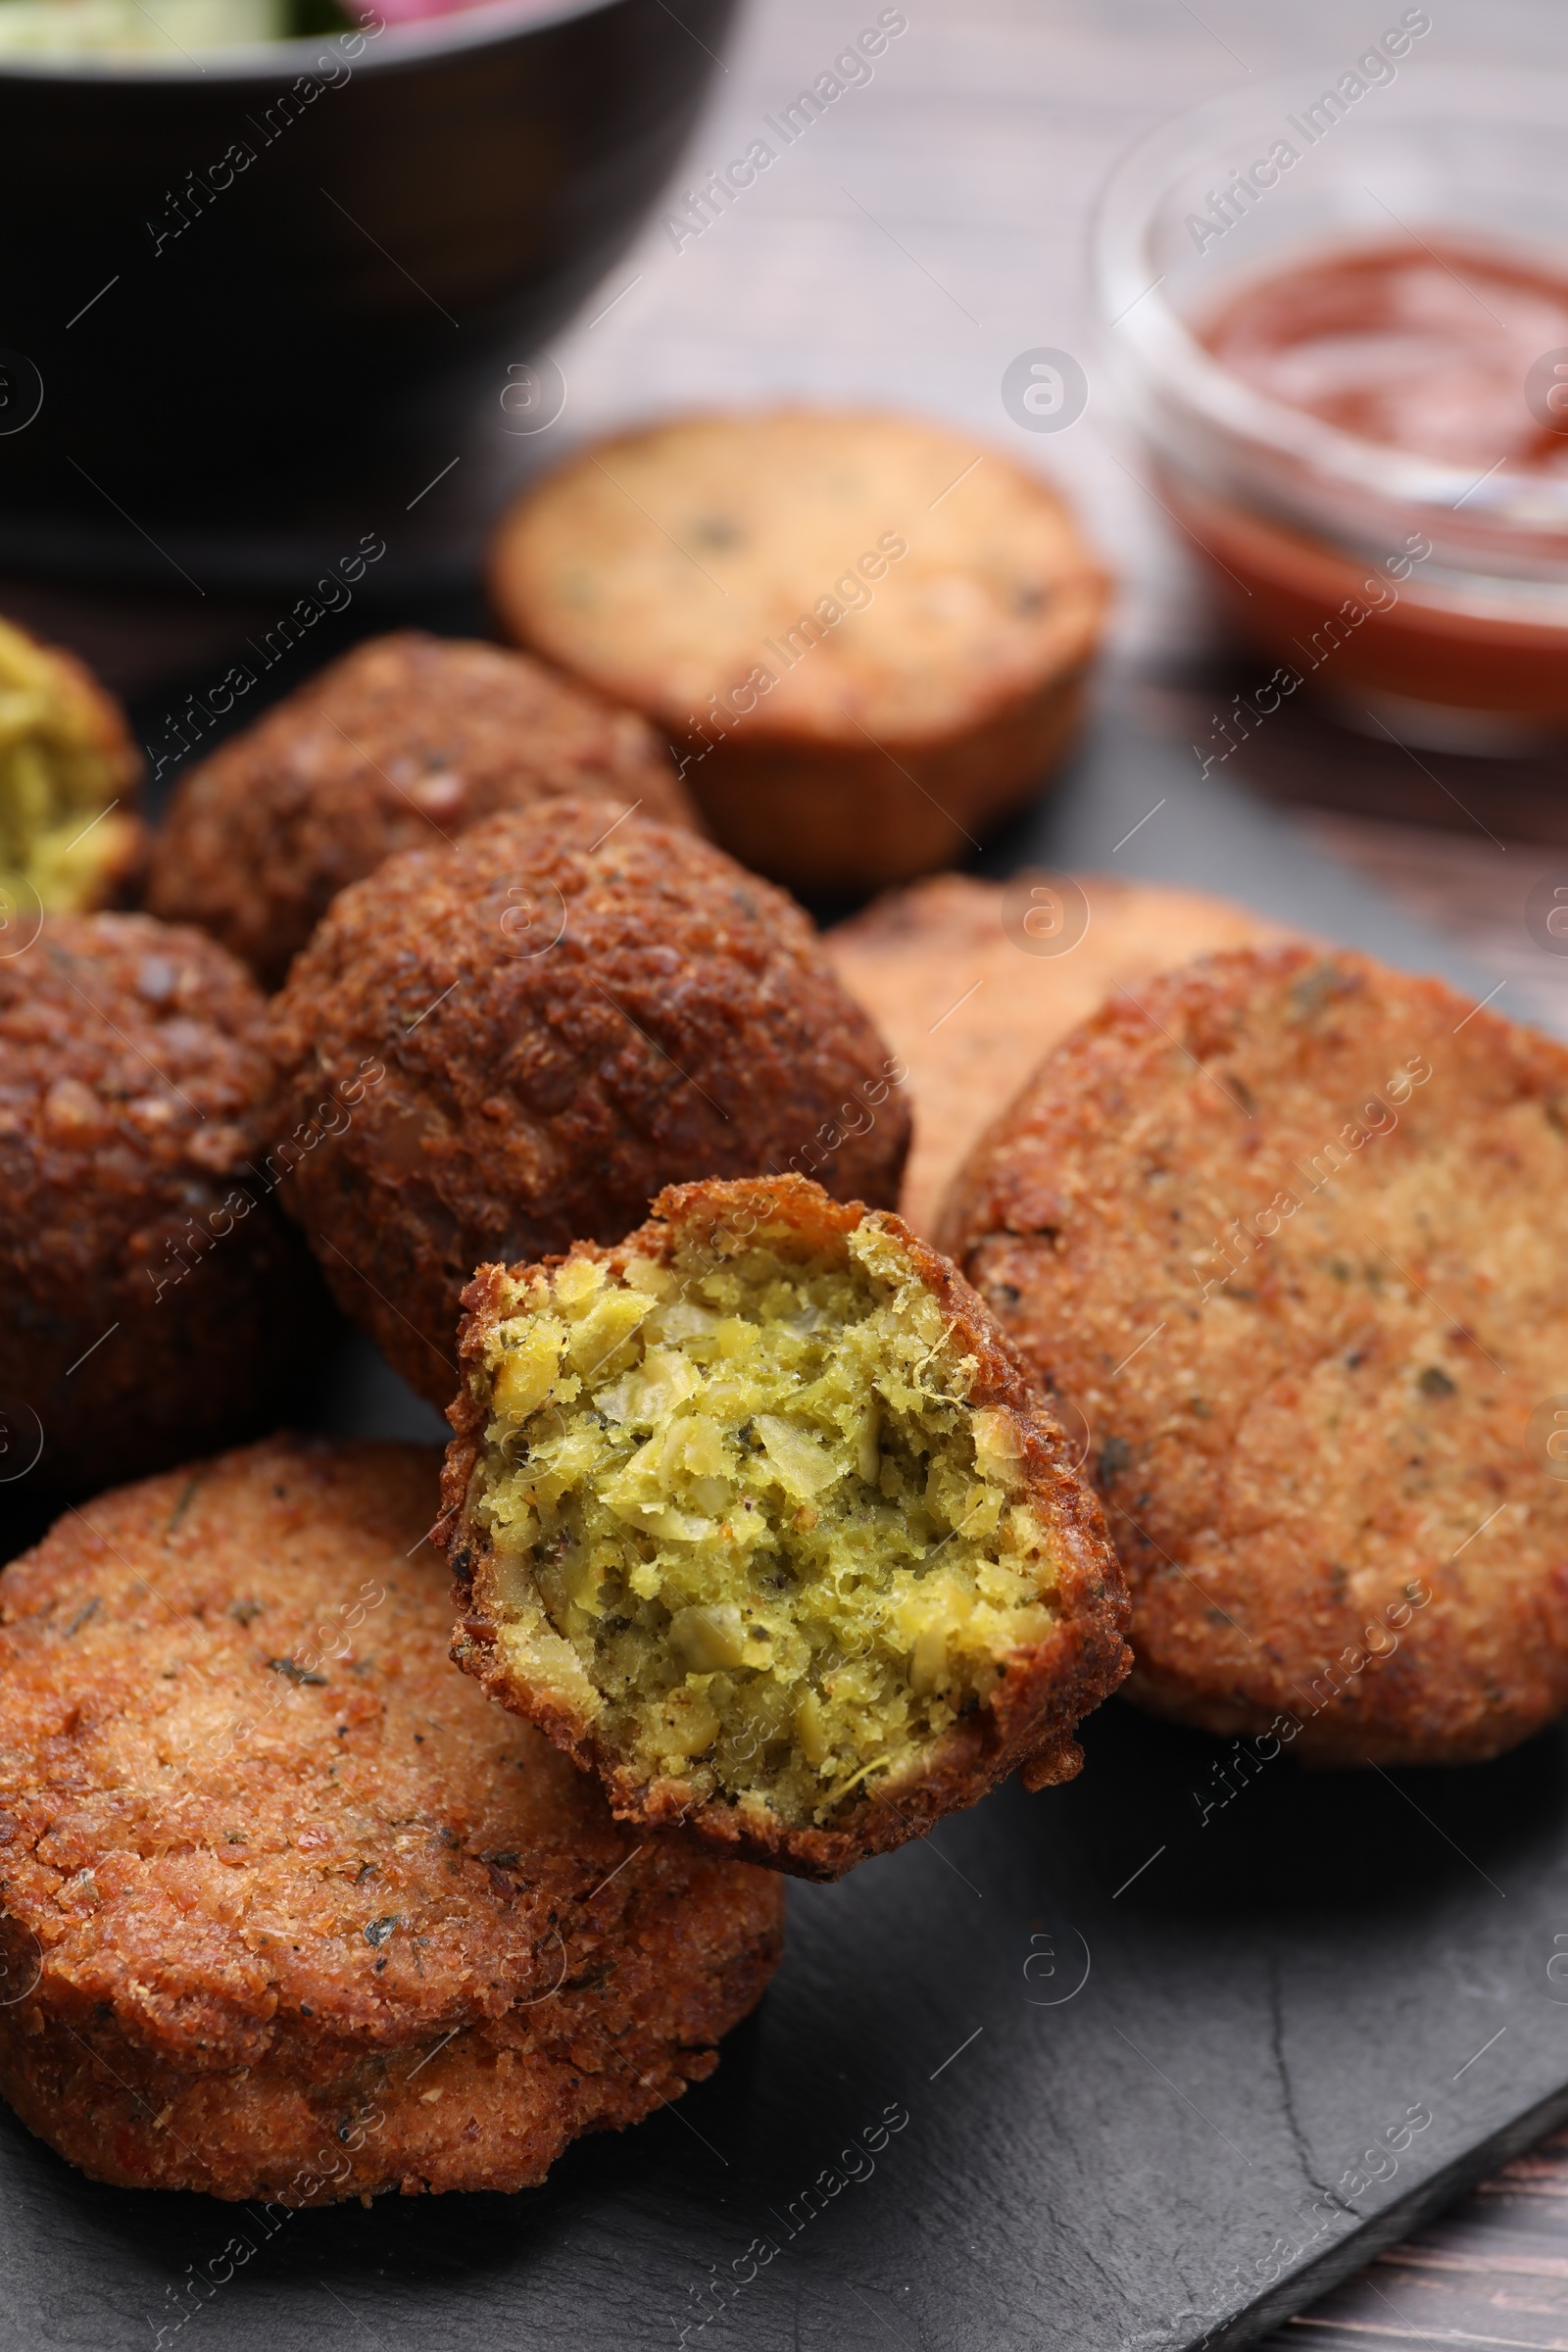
x,y
69,779
947,971
571,1011
866,635
295,1915
758,1517
405,742
154,1299
1287,1232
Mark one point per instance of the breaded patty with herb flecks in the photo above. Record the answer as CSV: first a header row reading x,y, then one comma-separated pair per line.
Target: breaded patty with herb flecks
x,y
287,1911
758,1517
406,741
869,635
573,1011
1288,1231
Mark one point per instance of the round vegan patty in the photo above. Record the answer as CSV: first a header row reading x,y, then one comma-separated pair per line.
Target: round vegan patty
x,y
290,1913
405,742
866,635
155,1300
1287,1230
571,1011
952,972
759,1517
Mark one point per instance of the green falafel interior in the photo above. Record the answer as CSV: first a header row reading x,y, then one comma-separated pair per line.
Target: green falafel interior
x,y
740,1515
65,765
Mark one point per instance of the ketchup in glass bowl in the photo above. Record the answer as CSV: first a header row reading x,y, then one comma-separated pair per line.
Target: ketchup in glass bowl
x,y
1335,308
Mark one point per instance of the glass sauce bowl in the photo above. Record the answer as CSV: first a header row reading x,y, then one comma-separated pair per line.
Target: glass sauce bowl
x,y
1427,595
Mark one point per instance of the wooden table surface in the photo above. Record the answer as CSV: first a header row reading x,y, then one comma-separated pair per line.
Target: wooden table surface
x,y
927,229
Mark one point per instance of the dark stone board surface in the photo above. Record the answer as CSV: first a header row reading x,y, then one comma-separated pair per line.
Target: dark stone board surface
x,y
1145,2062
1114,2115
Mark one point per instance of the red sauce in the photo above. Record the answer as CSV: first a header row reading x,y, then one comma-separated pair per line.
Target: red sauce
x,y
1421,348
1439,351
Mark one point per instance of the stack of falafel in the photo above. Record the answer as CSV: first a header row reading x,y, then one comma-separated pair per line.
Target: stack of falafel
x,y
292,1908
775,1532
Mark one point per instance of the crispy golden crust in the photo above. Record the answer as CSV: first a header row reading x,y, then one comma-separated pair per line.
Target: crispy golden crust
x,y
71,777
684,1021
153,1299
289,1912
1045,1690
1285,1231
971,1012
866,635
403,744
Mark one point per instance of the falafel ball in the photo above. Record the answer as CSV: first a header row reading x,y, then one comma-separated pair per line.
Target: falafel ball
x,y
573,1011
290,1913
155,1299
70,778
405,742
1286,1228
758,1515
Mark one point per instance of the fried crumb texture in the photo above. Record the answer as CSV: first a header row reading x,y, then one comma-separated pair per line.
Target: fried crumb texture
x,y
757,1516
866,635
402,744
290,1912
156,1300
572,1010
1287,1232
70,780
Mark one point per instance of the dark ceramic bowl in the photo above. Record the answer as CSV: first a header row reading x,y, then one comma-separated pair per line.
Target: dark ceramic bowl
x,y
254,304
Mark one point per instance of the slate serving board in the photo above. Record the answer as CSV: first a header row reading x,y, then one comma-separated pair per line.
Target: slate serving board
x,y
1147,2062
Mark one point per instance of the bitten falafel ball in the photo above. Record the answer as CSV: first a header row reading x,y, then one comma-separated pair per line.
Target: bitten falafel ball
x,y
573,1011
405,742
289,1912
69,777
759,1518
154,1297
1286,1228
